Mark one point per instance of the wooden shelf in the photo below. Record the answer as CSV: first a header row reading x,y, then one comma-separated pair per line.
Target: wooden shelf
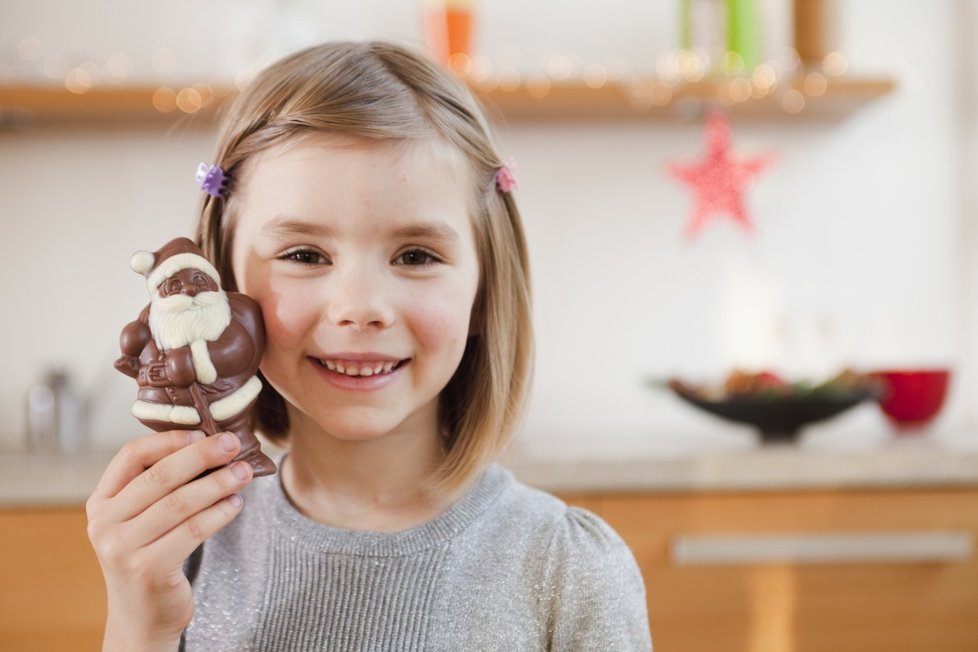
x,y
651,99
642,99
25,104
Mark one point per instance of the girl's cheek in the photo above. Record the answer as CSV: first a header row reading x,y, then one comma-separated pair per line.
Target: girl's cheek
x,y
440,318
285,317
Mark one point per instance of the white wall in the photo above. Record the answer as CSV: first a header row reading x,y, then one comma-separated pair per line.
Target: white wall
x,y
861,256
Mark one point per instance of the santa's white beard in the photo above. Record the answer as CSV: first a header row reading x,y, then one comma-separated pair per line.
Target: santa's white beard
x,y
179,320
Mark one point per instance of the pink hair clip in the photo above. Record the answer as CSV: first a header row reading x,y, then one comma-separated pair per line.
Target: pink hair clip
x,y
212,179
506,177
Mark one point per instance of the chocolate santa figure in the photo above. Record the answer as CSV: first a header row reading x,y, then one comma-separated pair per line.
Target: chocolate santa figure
x,y
194,350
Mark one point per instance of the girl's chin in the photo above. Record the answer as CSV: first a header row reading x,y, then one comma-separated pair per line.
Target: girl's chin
x,y
355,428
351,423
347,431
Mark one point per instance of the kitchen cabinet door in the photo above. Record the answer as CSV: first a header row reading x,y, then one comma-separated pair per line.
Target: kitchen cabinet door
x,y
869,570
51,591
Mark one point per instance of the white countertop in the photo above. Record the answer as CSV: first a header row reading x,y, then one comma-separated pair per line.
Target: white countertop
x,y
874,463
770,468
27,480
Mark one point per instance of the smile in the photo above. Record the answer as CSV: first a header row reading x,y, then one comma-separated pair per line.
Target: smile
x,y
360,368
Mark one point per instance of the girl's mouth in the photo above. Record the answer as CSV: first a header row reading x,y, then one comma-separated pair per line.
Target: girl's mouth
x,y
356,368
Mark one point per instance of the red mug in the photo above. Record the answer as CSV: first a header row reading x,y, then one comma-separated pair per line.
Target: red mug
x,y
912,398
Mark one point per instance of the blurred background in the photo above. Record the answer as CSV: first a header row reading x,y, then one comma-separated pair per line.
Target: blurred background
x,y
861,257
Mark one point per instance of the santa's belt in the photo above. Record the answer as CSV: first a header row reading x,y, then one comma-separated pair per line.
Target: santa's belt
x,y
185,415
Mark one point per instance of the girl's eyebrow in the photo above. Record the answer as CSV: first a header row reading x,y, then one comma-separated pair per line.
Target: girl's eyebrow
x,y
427,230
291,226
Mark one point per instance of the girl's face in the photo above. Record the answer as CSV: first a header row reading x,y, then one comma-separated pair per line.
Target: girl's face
x,y
363,260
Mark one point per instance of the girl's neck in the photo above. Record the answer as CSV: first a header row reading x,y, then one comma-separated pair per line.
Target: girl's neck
x,y
374,485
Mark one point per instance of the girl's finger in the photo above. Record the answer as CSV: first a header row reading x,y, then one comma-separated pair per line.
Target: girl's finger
x,y
174,470
139,454
173,548
186,502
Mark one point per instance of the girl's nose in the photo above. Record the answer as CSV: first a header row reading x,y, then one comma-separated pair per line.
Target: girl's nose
x,y
357,301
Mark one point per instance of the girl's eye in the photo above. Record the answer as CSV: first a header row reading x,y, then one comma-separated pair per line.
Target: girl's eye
x,y
305,257
417,258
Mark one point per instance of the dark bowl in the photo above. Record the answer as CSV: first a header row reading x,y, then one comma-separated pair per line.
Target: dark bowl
x,y
778,418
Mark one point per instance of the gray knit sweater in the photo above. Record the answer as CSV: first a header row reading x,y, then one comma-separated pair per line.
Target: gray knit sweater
x,y
507,568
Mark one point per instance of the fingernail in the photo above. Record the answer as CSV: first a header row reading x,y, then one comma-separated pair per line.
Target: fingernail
x,y
235,500
195,435
240,470
229,442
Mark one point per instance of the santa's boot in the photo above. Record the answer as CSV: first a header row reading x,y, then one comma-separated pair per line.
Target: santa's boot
x,y
261,463
250,448
253,455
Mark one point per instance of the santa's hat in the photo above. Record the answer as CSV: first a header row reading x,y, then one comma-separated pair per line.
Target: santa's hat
x,y
176,255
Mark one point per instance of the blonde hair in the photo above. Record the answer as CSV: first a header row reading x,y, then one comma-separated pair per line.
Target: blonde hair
x,y
384,92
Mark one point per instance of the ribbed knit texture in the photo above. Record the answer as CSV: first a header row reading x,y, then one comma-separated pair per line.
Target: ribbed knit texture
x,y
506,568
345,601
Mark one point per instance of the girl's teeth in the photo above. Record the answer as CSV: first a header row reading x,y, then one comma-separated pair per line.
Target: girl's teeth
x,y
382,367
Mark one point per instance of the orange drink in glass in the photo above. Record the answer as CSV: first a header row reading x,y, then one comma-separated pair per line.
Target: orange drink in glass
x,y
448,29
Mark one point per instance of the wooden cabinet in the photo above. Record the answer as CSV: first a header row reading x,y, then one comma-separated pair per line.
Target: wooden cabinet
x,y
52,597
51,592
871,602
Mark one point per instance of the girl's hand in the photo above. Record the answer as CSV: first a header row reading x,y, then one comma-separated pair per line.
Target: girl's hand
x,y
150,511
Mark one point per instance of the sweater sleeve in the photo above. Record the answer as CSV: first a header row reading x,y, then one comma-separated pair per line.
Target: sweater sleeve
x,y
598,601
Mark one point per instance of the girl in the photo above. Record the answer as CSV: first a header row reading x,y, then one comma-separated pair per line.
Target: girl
x,y
371,219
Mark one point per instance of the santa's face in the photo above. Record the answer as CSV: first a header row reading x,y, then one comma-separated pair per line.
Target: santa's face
x,y
363,259
189,306
190,282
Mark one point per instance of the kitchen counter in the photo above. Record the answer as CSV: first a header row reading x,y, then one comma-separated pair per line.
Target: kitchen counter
x,y
769,468
31,480
945,461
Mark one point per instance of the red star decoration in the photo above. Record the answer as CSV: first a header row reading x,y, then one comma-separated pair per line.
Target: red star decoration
x,y
719,181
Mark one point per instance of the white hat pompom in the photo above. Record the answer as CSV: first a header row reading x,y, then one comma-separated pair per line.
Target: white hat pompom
x,y
142,262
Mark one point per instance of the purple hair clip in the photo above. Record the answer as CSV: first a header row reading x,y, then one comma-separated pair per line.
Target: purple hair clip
x,y
506,177
211,179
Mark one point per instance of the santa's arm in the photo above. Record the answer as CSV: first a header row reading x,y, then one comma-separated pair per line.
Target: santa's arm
x,y
133,339
180,366
240,347
234,352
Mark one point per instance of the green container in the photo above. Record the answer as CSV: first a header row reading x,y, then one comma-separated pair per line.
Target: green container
x,y
737,25
744,32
